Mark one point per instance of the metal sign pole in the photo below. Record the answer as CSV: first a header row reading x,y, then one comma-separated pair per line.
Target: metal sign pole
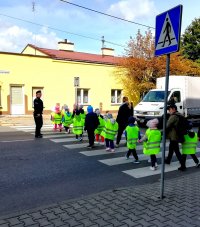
x,y
164,127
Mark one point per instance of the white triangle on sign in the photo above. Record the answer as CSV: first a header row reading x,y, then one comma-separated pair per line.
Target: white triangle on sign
x,y
167,36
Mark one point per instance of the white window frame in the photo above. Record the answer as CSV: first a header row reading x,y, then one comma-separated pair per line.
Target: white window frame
x,y
82,97
34,89
0,96
115,102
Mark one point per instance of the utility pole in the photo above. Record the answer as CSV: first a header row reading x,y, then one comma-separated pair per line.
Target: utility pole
x,y
33,10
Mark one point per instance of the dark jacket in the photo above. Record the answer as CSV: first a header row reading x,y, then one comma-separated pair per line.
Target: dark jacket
x,y
172,125
123,114
38,106
91,121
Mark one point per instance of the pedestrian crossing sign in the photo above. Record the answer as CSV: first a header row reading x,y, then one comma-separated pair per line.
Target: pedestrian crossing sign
x,y
168,30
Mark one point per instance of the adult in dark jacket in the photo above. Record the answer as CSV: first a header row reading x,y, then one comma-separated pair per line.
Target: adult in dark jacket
x,y
125,111
172,135
91,123
38,111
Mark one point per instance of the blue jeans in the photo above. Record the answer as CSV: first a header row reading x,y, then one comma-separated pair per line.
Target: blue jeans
x,y
109,143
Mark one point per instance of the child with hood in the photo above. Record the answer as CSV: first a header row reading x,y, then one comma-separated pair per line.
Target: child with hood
x,y
91,123
152,139
78,125
132,133
189,145
100,126
109,131
66,118
56,118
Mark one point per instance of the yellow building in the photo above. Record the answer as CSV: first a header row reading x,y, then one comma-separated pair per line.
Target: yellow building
x,y
63,75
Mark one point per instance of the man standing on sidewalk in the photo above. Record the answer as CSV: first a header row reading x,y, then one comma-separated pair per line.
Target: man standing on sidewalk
x,y
38,111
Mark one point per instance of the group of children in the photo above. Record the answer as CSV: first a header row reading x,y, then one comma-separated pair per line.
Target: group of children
x,y
108,128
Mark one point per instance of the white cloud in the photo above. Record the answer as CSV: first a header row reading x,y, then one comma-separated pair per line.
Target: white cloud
x,y
14,38
133,9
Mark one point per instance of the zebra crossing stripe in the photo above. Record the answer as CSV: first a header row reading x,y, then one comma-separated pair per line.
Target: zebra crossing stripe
x,y
78,145
102,151
62,140
146,172
55,136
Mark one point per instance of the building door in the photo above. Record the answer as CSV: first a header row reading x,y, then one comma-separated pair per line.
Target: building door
x,y
17,100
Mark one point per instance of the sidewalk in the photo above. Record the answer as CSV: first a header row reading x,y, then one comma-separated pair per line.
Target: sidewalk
x,y
133,206
11,120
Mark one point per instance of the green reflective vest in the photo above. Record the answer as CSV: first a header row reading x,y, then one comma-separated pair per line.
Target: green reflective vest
x,y
190,144
67,119
110,130
131,136
56,118
77,125
100,126
152,145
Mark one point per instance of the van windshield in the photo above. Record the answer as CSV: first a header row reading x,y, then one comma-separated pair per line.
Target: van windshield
x,y
154,96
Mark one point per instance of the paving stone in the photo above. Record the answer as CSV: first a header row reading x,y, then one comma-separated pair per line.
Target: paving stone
x,y
64,216
43,222
3,222
87,222
14,221
29,221
129,222
58,222
24,216
5,225
72,222
115,222
57,210
37,215
101,222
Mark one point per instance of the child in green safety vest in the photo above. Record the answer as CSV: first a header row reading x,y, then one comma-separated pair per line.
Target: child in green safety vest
x,y
56,118
109,132
78,124
189,146
66,118
100,126
152,139
132,133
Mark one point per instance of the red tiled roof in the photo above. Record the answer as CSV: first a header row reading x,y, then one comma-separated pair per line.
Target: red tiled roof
x,y
77,56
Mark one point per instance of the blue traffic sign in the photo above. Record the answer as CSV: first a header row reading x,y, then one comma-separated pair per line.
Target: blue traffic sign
x,y
168,30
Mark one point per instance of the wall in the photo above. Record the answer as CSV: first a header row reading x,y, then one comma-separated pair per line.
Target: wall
x,y
57,78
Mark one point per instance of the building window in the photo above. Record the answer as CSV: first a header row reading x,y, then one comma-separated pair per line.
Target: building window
x,y
34,89
83,96
0,97
116,96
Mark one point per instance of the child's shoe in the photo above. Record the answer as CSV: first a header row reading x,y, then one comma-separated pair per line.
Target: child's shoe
x,y
112,150
107,149
153,168
136,162
80,139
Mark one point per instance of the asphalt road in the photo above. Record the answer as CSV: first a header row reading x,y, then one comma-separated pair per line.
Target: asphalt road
x,y
38,172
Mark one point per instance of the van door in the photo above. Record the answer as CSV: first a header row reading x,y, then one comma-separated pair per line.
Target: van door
x,y
176,95
17,100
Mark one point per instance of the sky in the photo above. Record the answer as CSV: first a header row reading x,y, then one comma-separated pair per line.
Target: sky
x,y
52,21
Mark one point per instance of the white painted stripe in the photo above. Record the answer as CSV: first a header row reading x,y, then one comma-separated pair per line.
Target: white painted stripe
x,y
146,172
123,160
62,140
102,151
54,136
80,145
30,126
11,141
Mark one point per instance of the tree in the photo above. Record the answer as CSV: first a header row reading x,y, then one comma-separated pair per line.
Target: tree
x,y
138,69
191,41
